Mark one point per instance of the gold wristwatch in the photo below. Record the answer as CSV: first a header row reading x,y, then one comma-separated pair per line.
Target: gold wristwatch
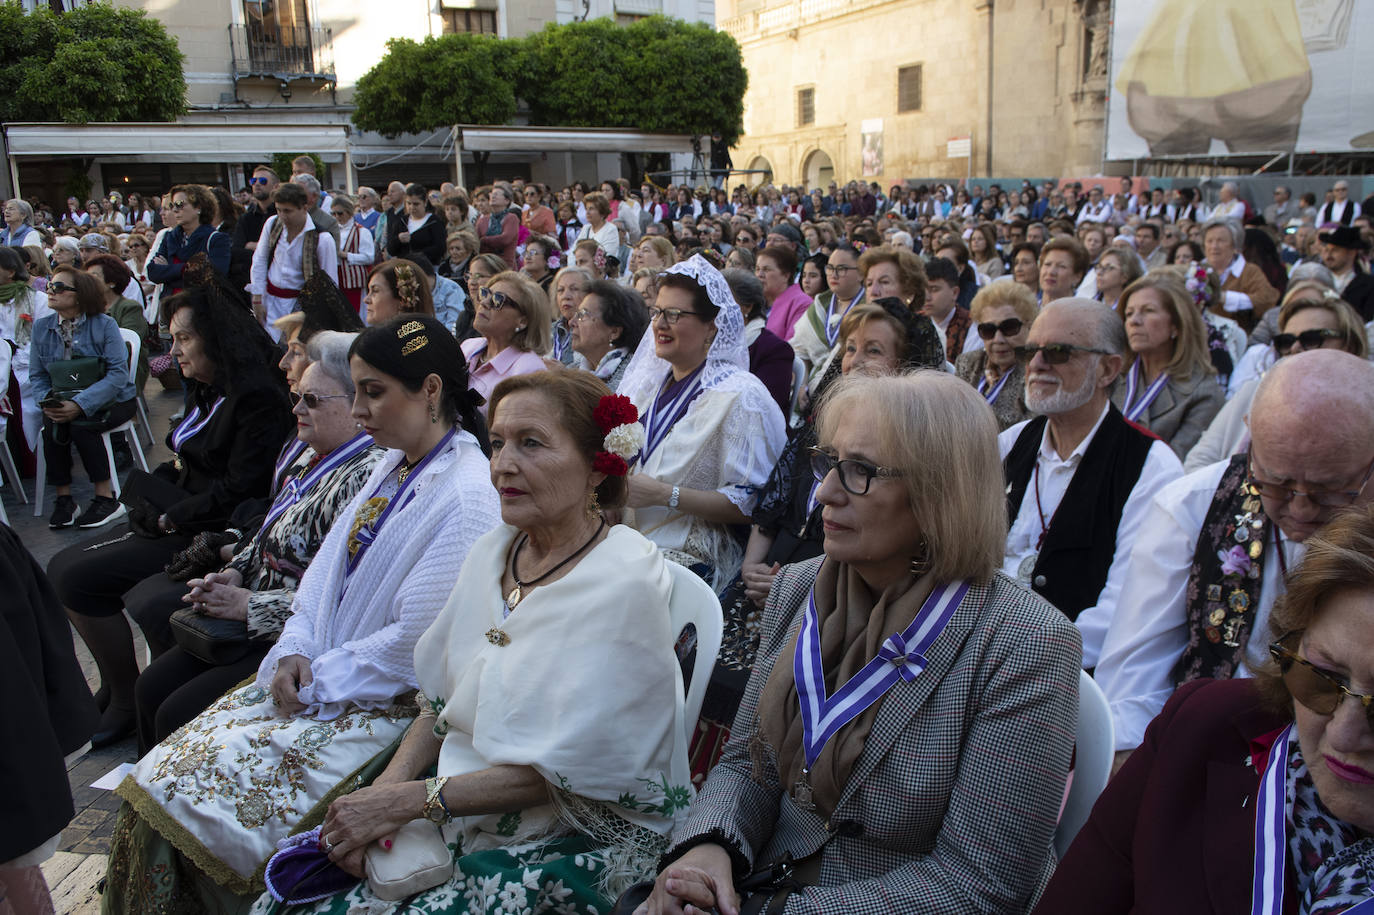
x,y
434,809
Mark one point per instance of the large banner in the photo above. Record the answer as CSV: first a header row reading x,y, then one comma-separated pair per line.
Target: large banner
x,y
1212,77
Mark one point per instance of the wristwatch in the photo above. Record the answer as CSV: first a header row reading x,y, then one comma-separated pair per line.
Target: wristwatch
x,y
672,500
434,809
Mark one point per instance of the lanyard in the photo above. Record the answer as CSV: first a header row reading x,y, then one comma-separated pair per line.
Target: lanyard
x,y
367,534
562,337
901,657
832,333
193,423
296,488
664,411
991,396
1134,408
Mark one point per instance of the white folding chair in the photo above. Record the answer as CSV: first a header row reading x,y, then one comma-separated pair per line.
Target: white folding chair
x,y
135,344
11,471
1094,740
694,602
798,380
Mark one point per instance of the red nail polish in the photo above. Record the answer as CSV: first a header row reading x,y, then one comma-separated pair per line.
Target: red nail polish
x,y
387,845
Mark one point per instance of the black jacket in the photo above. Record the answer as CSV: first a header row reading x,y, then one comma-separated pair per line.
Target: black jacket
x,y
430,239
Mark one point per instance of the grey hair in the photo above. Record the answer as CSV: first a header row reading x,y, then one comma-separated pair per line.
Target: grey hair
x,y
1109,331
66,241
364,189
747,290
328,350
24,208
1230,186
1314,271
310,183
1230,225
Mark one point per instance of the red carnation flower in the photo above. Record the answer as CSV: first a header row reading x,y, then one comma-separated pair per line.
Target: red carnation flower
x,y
26,318
610,464
614,410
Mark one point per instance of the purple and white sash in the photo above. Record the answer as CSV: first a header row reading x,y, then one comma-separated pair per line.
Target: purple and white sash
x,y
404,493
833,333
901,657
991,396
665,411
194,421
1134,409
295,488
292,450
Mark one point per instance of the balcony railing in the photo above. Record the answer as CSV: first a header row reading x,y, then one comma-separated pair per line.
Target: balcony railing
x,y
282,52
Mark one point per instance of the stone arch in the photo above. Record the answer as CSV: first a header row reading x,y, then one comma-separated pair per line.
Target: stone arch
x,y
818,169
759,163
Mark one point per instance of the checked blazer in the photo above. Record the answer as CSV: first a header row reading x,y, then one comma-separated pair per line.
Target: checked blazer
x,y
952,805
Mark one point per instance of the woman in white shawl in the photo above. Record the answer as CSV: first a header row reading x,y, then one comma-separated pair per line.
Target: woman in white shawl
x,y
20,308
712,432
551,712
207,806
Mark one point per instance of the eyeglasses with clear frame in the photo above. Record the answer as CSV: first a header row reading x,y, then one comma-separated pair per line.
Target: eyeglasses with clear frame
x,y
1326,498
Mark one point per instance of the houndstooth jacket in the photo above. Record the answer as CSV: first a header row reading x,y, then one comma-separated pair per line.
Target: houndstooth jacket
x,y
952,805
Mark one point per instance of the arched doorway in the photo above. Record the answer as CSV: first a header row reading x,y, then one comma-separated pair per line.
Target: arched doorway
x,y
759,164
818,171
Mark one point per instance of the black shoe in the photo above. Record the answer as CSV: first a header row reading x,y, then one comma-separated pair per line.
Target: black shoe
x,y
103,510
62,513
115,725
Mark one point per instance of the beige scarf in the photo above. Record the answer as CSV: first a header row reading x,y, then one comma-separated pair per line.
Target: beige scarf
x,y
853,625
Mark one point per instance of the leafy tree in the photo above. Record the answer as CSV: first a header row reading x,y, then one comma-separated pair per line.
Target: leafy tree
x,y
448,79
94,63
282,164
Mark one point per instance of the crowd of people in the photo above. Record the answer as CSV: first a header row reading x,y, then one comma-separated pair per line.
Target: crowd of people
x,y
453,468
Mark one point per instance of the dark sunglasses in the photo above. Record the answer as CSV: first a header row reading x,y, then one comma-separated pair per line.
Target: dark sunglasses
x,y
1054,353
59,286
1310,339
313,401
1312,687
494,300
259,179
855,475
1009,328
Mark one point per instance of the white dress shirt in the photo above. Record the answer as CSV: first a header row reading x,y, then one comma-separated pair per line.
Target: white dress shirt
x,y
1335,211
1161,468
1149,628
1102,213
1233,210
286,270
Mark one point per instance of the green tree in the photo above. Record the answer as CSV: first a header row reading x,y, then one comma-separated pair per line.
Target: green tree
x,y
449,79
95,63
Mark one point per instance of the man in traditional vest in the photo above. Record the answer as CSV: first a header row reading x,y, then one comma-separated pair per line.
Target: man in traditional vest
x,y
1217,544
289,252
1080,477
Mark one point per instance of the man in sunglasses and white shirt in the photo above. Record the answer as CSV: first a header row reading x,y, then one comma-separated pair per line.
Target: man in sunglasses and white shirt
x,y
1079,477
1217,544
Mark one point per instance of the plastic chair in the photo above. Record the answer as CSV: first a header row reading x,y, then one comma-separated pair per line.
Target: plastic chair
x,y
11,471
1094,741
694,602
135,344
798,380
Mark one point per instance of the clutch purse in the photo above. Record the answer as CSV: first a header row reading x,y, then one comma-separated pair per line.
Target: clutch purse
x,y
418,859
301,873
208,638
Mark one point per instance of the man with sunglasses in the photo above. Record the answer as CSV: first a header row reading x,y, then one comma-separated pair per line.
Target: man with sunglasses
x,y
1218,544
262,186
1080,478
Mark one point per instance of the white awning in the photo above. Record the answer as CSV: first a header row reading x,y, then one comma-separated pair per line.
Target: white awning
x,y
570,139
176,142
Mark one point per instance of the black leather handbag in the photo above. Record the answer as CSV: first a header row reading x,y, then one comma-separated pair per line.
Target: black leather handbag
x,y
210,639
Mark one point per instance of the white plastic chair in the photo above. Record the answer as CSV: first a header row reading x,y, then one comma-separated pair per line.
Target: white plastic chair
x,y
1094,740
11,471
798,379
135,344
694,602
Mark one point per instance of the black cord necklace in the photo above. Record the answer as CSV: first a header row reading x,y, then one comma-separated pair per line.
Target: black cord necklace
x,y
515,595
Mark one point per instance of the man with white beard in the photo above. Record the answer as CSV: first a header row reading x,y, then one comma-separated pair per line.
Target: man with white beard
x,y
1080,476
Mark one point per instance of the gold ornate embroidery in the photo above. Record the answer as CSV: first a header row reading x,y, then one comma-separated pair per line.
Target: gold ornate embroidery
x,y
408,328
367,513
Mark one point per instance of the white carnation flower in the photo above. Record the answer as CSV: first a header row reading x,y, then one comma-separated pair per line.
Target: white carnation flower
x,y
625,440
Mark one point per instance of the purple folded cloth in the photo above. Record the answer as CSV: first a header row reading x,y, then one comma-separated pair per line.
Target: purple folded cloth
x,y
300,871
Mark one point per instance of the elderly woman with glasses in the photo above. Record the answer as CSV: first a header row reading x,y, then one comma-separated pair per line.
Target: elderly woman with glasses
x,y
1312,317
1252,795
1246,293
868,768
1002,313
606,330
513,320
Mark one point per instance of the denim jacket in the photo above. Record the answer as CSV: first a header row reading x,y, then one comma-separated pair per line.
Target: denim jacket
x,y
96,335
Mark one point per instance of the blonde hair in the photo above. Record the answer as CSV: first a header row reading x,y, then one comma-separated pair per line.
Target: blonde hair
x,y
537,337
910,273
940,433
662,247
1190,349
1000,295
1355,339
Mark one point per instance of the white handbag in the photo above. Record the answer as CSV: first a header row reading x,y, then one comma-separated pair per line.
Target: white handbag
x,y
418,859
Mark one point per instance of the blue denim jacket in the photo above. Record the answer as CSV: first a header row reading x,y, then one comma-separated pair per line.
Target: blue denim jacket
x,y
96,335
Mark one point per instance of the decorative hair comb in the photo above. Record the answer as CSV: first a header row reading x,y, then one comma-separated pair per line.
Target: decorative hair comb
x,y
408,328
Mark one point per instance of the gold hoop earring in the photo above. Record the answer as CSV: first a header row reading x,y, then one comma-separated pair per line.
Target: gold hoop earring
x,y
593,505
920,563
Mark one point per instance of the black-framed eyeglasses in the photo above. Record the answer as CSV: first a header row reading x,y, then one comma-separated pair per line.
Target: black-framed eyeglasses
x,y
313,400
1055,353
855,475
671,315
1009,328
838,269
494,300
59,286
1310,339
1326,498
1315,689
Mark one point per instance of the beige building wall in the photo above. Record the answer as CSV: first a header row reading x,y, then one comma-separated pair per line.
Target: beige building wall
x,y
1007,73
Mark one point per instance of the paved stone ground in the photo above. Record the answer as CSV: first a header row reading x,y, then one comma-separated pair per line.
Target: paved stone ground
x,y
76,869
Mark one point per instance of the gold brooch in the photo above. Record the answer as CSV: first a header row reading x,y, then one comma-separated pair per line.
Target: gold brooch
x,y
410,327
414,345
367,513
498,637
